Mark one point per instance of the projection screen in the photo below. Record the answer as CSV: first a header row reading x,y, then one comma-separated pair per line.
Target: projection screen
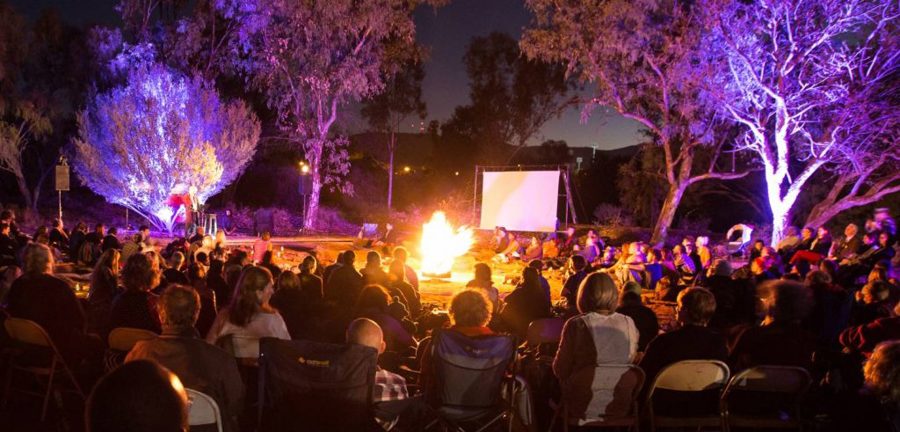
x,y
519,200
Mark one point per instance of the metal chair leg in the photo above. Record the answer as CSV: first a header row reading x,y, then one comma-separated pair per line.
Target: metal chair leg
x,y
49,389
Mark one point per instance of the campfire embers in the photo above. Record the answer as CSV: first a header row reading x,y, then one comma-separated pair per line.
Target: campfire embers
x,y
441,245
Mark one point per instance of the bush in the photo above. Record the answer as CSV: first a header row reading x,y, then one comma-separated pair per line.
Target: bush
x,y
612,215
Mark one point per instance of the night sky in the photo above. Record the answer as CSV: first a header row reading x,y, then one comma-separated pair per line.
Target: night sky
x,y
446,31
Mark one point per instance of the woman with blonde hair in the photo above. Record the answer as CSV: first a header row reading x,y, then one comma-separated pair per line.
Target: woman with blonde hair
x,y
104,288
249,316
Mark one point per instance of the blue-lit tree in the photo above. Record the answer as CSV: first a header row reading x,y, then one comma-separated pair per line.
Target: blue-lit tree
x,y
159,135
814,84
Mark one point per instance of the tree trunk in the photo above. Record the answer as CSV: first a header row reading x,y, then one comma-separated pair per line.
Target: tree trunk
x,y
392,146
315,171
667,214
26,193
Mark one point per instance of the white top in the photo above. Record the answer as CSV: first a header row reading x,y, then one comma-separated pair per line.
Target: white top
x,y
615,337
246,339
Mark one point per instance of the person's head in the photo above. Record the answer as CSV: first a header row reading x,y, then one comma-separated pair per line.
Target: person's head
x,y
141,273
200,231
309,264
850,230
702,241
630,298
470,308
884,238
266,235
220,237
112,231
870,238
482,272
578,263
877,274
145,230
57,224
537,265
373,297
822,232
874,292
38,259
829,267
139,396
7,216
531,279
721,267
202,258
687,241
807,233
818,277
287,280
99,228
373,259
179,308
176,261
347,258
511,236
401,254
882,372
696,306
254,289
759,245
109,260
597,293
677,250
363,331
196,273
788,301
397,271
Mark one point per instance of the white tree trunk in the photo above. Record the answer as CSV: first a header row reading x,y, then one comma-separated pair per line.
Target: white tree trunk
x,y
392,146
314,157
667,214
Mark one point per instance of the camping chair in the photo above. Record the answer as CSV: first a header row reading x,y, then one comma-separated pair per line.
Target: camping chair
x,y
121,340
601,396
688,376
203,410
470,374
766,397
321,386
31,334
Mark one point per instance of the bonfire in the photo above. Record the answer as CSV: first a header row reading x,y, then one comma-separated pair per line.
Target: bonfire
x,y
441,245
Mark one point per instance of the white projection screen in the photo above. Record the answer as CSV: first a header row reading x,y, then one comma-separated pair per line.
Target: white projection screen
x,y
520,200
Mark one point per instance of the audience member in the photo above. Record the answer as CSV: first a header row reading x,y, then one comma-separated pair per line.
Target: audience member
x,y
199,365
104,289
569,291
345,283
261,246
390,395
372,273
140,396
373,304
484,281
525,304
401,255
598,335
249,316
136,306
111,241
644,318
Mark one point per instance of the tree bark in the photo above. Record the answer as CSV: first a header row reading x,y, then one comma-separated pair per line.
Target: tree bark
x,y
392,146
315,161
667,214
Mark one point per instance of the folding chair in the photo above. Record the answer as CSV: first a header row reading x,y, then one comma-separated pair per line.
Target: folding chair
x,y
766,397
321,386
601,396
31,334
203,410
125,338
688,376
470,374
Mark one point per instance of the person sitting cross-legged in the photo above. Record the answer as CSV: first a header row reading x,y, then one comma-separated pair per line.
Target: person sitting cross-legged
x,y
200,366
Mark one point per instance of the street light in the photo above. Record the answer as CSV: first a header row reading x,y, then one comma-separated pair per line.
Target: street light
x,y
407,169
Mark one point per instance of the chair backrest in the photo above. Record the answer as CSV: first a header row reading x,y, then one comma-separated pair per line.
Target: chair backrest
x,y
547,330
604,391
469,371
319,385
691,376
240,346
26,331
203,410
124,338
770,378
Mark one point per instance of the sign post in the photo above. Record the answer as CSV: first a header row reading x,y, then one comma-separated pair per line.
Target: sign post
x,y
62,181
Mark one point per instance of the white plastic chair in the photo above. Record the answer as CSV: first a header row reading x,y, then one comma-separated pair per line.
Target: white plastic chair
x,y
203,410
689,376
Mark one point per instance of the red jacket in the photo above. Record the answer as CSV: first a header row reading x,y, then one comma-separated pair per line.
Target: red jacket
x,y
864,338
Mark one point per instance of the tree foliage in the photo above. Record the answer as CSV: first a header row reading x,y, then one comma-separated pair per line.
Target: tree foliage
x,y
644,59
159,135
309,59
812,83
512,96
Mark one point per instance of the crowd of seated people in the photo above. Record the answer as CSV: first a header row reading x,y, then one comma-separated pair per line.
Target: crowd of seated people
x,y
827,310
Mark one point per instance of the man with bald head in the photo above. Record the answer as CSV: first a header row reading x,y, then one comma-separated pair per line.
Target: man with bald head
x,y
389,397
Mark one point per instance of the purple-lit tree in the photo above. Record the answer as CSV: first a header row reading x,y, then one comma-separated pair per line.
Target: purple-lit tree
x,y
813,83
645,61
159,135
309,59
